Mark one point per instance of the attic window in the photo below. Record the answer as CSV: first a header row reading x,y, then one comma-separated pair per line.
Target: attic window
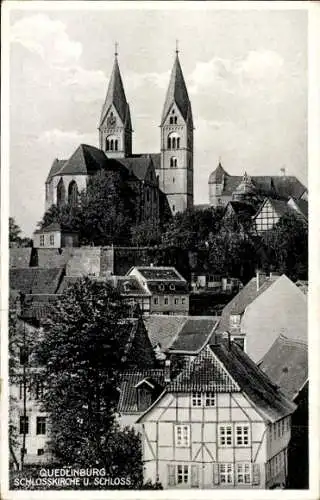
x,y
161,287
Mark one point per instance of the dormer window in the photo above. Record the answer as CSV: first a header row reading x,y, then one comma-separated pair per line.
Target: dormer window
x,y
161,287
234,320
172,286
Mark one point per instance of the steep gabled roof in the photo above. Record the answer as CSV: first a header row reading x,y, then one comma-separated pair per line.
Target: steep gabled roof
x,y
34,280
194,335
85,160
162,329
55,168
243,298
177,93
137,165
116,96
265,395
128,394
286,364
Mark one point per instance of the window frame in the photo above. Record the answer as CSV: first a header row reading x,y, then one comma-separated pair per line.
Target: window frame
x,y
51,239
184,474
242,436
41,425
41,240
224,436
226,471
182,435
243,473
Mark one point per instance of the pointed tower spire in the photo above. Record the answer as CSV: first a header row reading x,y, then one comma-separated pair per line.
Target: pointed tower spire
x,y
115,120
177,91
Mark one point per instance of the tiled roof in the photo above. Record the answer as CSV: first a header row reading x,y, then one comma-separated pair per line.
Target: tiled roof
x,y
85,160
116,95
286,364
20,257
302,206
137,165
162,329
128,394
194,335
160,273
35,280
55,168
177,92
281,207
38,306
54,226
243,298
203,373
168,287
240,207
252,381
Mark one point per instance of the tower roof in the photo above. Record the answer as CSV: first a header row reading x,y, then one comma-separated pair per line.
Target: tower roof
x,y
116,96
216,176
177,92
246,186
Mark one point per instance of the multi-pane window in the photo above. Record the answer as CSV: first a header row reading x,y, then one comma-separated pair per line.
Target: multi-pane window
x,y
42,240
243,473
182,474
51,239
226,473
242,435
24,425
182,435
41,425
203,399
225,435
209,399
197,399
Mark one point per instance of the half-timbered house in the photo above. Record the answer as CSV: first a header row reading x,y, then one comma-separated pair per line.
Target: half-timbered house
x,y
220,423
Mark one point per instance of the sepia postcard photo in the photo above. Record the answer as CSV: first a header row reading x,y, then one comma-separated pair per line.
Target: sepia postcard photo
x,y
157,308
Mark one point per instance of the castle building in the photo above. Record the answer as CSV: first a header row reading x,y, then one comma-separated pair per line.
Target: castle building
x,y
224,188
161,181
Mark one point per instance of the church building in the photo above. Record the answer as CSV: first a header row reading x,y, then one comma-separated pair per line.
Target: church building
x,y
161,181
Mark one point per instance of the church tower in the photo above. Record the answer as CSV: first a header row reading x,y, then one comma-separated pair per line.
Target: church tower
x,y
176,170
115,129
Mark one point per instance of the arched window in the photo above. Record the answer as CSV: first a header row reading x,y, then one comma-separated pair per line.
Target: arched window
x,y
171,120
61,193
112,143
73,194
173,141
175,119
173,161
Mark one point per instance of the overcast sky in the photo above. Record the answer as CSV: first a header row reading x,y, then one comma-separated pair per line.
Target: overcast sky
x,y
246,73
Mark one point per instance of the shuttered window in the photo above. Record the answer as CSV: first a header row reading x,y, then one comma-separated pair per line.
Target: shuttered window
x,y
195,476
256,474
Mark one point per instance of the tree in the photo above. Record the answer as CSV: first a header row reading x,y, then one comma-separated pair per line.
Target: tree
x,y
15,239
66,215
84,351
286,247
147,233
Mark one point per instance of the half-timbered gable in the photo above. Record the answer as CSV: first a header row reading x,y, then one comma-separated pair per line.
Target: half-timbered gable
x,y
211,426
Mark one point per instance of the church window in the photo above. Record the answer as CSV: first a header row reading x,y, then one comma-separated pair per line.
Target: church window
x,y
111,145
175,119
73,194
173,180
173,141
173,161
173,208
116,145
61,193
171,120
107,145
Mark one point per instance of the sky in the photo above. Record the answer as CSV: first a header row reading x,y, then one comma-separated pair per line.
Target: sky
x,y
245,70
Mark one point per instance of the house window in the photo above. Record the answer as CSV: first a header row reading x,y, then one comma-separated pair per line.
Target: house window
x,y
182,435
226,473
242,435
209,399
243,473
40,451
182,474
225,435
39,390
51,239
197,399
24,425
176,301
183,300
41,425
234,318
166,301
42,240
173,208
156,301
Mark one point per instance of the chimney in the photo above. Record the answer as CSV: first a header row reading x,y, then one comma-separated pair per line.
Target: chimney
x,y
260,278
167,370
